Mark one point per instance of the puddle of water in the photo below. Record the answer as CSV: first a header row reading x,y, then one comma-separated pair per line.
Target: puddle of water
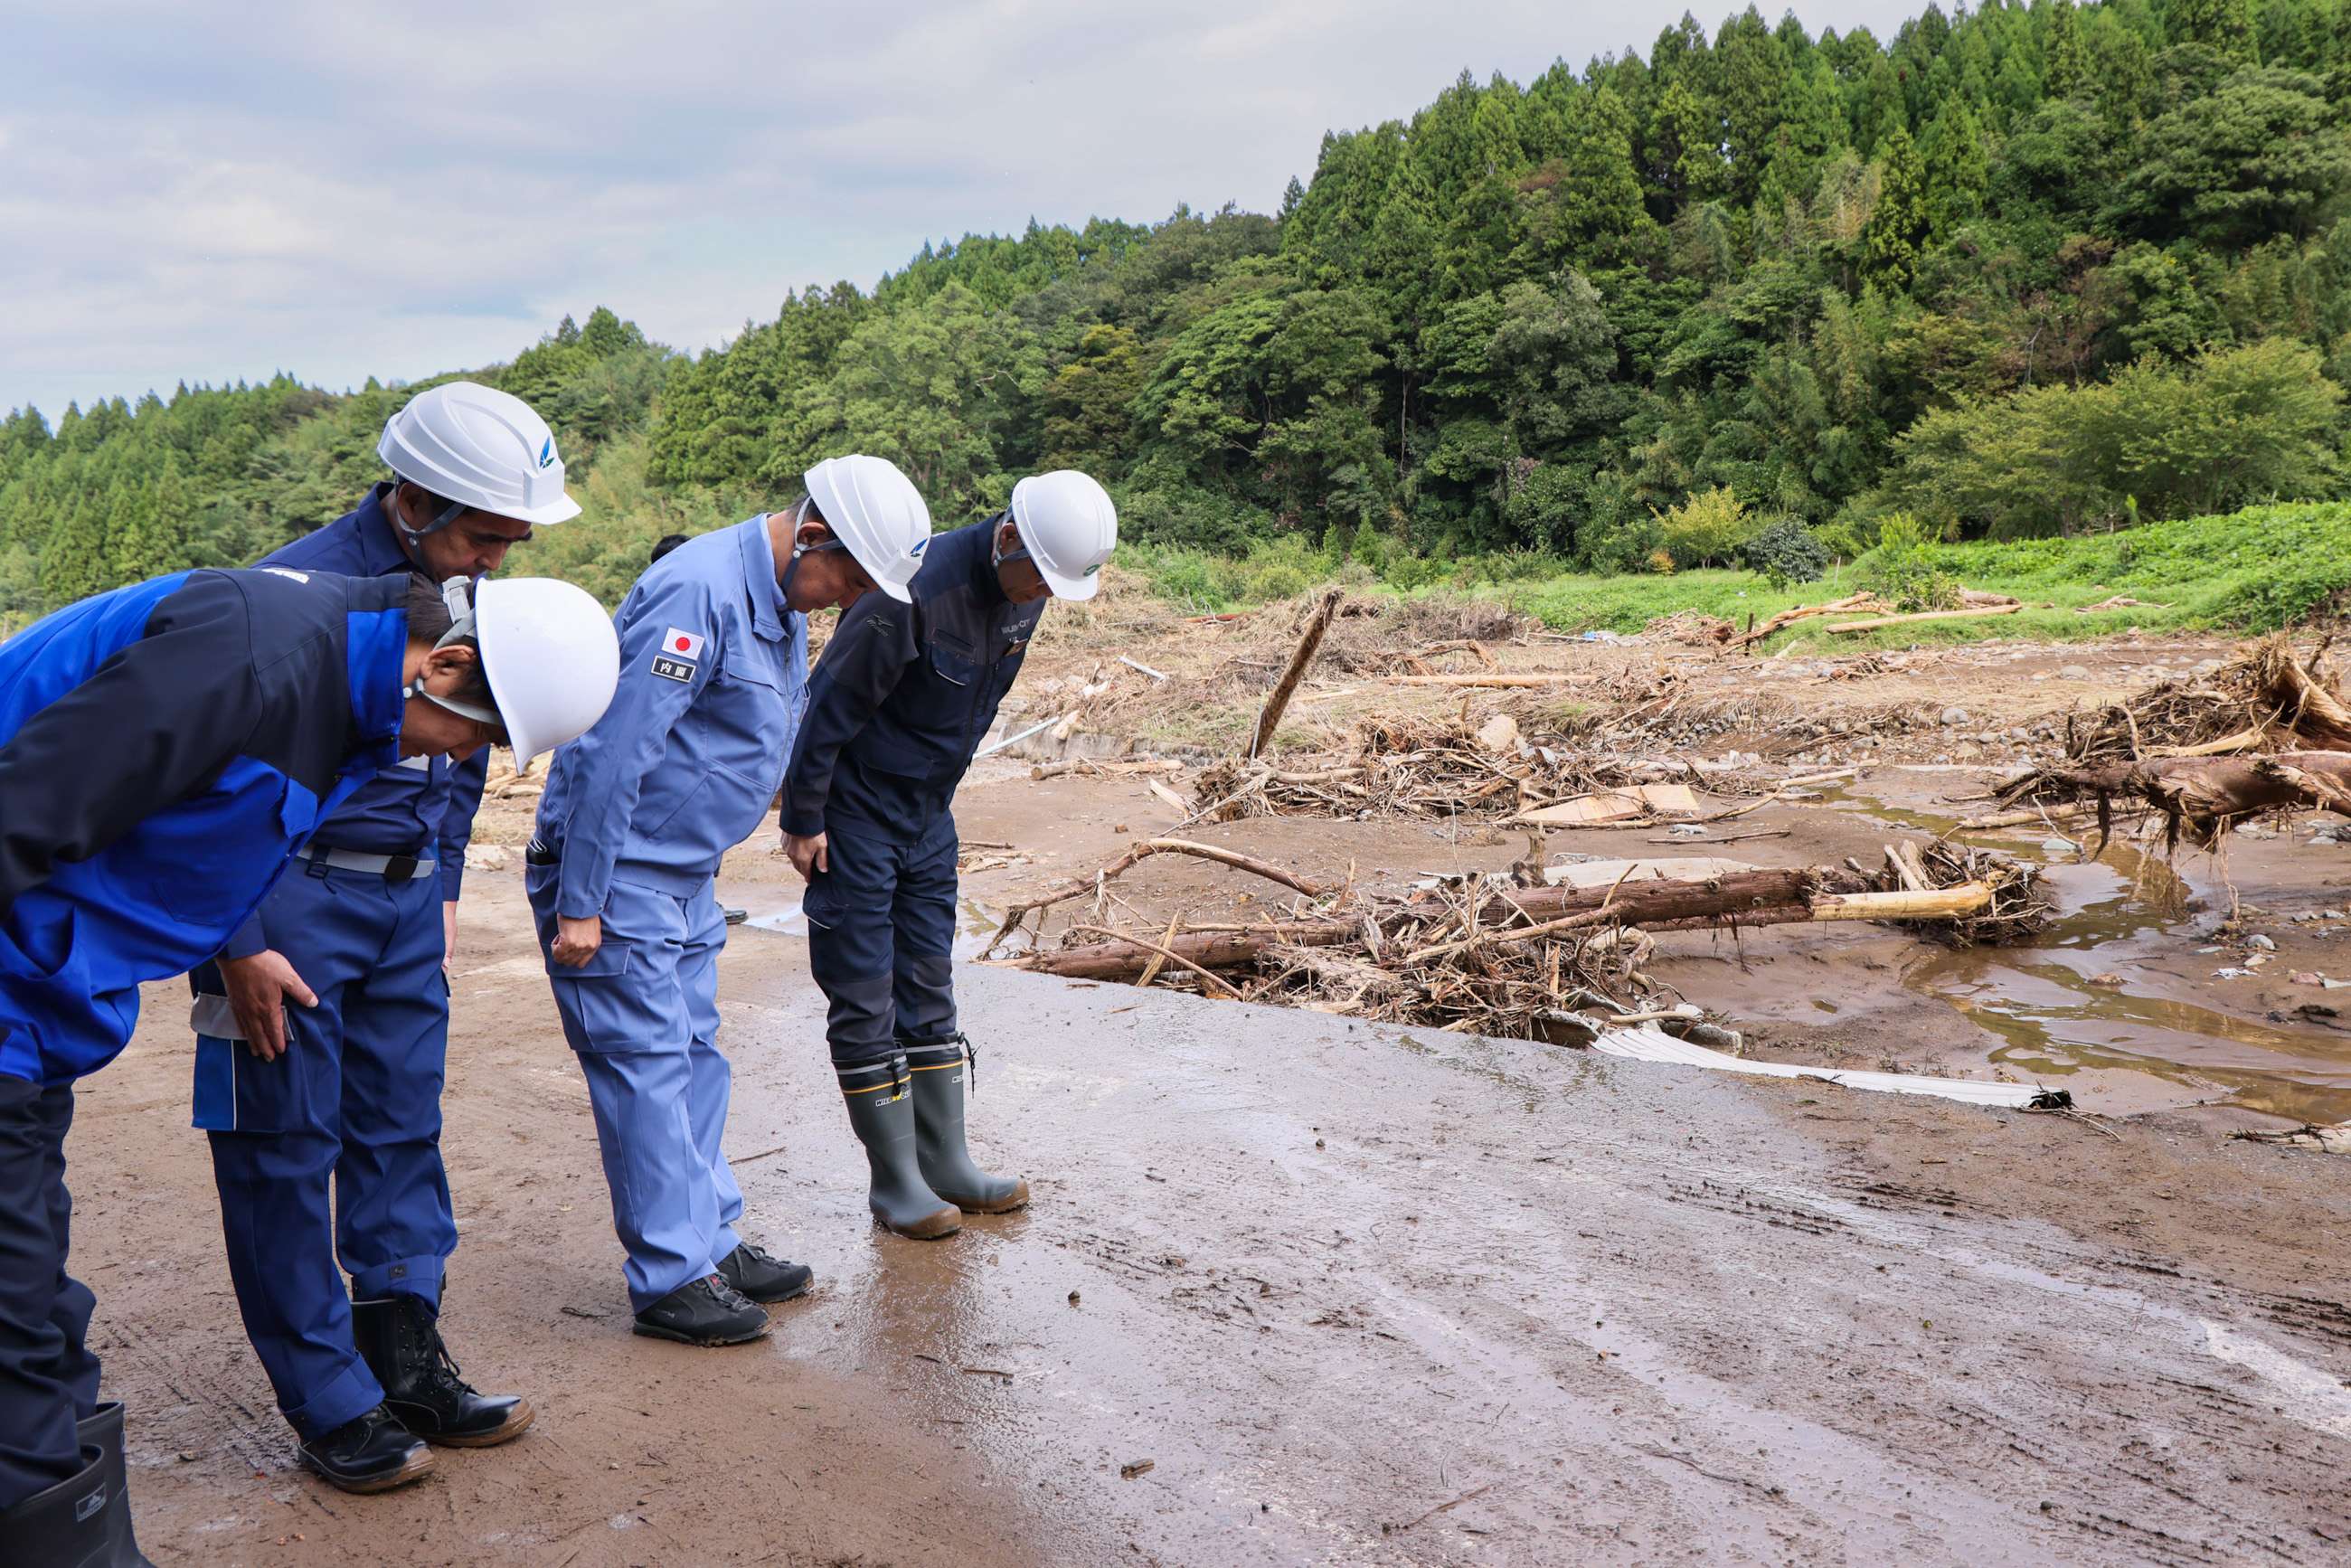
x,y
2120,914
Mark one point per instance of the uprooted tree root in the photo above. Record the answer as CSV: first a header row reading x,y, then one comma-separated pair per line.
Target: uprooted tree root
x,y
2200,798
2272,698
1482,954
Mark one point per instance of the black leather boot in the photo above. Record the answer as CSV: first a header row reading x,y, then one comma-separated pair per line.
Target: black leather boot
x,y
65,1525
368,1453
882,1111
103,1431
941,1069
707,1311
399,1337
758,1277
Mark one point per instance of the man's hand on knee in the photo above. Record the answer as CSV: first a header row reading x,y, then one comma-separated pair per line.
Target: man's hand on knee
x,y
258,988
808,854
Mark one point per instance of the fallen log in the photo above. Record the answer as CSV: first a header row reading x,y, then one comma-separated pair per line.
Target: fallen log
x,y
1269,718
1846,626
1739,900
1789,617
1143,849
1485,680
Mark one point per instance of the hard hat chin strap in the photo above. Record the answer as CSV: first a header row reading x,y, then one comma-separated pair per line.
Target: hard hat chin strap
x,y
792,566
449,514
455,594
998,555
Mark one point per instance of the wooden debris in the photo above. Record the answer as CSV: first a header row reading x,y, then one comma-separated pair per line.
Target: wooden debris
x,y
1486,680
1144,850
2202,797
1642,800
1845,627
1786,618
1269,718
1516,961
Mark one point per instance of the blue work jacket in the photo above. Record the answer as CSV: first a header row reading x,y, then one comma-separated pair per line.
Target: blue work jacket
x,y
904,694
713,671
163,749
423,799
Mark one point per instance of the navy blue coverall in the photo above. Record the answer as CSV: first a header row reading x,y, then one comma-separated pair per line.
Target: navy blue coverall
x,y
637,814
163,748
897,705
356,1098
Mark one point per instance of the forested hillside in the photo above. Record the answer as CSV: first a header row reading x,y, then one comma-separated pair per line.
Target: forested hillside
x,y
2020,271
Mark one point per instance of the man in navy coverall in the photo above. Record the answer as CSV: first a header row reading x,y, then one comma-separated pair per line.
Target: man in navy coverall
x,y
896,707
163,749
347,1089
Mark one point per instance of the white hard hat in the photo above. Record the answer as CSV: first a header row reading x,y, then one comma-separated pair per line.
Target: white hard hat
x,y
877,512
551,658
480,448
1069,527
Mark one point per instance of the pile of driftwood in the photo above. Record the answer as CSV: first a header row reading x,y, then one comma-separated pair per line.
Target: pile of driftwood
x,y
1511,957
2272,698
1408,766
2270,732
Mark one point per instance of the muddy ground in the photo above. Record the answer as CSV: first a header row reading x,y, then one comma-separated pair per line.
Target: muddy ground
x,y
1294,1291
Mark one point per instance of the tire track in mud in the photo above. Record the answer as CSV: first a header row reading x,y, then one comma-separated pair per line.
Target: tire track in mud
x,y
1733,1279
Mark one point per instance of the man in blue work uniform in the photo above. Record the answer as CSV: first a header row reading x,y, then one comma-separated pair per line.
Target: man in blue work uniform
x,y
636,815
896,707
163,749
358,940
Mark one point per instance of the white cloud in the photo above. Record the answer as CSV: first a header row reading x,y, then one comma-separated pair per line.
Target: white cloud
x,y
395,189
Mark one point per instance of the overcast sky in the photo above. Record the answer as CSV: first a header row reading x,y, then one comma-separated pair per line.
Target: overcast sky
x,y
357,187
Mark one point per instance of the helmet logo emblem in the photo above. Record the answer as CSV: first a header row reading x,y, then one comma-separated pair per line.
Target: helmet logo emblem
x,y
547,453
919,547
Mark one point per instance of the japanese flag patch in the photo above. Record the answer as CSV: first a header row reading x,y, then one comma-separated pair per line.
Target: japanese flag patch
x,y
676,657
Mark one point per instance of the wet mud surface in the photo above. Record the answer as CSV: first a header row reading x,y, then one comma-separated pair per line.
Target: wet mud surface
x,y
1297,1292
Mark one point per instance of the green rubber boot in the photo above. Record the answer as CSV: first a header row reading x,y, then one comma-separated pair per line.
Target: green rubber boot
x,y
882,1112
942,1069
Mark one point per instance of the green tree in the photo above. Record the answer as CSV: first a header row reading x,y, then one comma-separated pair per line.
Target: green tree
x,y
2262,155
1901,223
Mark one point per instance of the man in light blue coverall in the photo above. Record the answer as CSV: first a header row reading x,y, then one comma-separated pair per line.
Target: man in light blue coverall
x,y
348,1089
636,815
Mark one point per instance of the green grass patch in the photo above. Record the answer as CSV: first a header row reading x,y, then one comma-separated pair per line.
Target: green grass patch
x,y
2252,572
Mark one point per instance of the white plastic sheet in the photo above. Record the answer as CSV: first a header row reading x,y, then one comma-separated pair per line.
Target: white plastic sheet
x,y
1645,1044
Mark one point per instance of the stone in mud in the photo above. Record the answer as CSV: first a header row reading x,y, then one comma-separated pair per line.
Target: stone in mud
x,y
2074,673
1499,733
1954,716
2307,979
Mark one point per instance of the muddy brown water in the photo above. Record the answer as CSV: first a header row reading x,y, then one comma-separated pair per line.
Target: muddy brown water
x,y
1293,1292
2121,981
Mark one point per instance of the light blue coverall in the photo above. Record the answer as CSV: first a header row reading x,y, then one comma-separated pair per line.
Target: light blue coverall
x,y
681,768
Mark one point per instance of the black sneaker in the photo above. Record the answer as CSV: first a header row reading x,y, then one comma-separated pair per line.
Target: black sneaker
x,y
707,1311
371,1453
760,1278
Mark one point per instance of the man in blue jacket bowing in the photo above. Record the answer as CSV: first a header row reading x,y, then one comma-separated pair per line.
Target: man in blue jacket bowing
x,y
347,1090
163,749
